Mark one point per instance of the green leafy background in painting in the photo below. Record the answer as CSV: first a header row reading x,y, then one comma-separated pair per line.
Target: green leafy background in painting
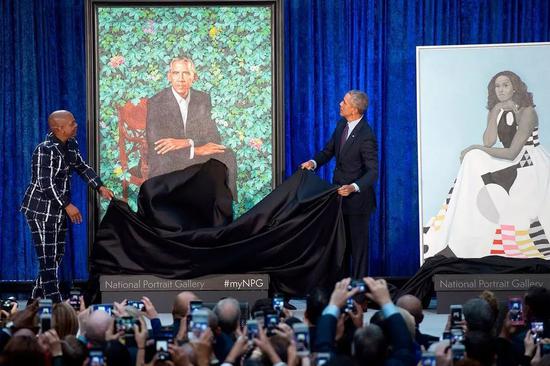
x,y
231,48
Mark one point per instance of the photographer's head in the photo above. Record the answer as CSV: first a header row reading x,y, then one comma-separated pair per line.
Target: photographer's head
x,y
480,346
98,323
180,309
369,345
413,305
478,315
64,319
316,302
536,303
228,312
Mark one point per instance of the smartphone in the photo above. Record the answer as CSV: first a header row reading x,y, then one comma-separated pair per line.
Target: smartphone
x,y
458,351
198,324
125,324
301,337
271,322
537,328
161,346
45,306
278,303
166,332
428,359
350,306
45,322
515,311
74,300
321,358
136,304
253,329
96,358
194,305
456,316
457,335
360,284
108,308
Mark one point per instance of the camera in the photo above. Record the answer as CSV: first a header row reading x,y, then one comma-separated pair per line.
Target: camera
x,y
253,329
161,346
350,306
74,300
360,284
198,324
260,318
125,324
515,311
428,359
8,303
457,336
194,305
537,329
136,304
271,322
458,351
96,357
45,322
108,308
45,306
301,337
278,303
456,316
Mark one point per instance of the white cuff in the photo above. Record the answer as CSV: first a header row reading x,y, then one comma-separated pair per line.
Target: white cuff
x,y
356,187
314,164
191,149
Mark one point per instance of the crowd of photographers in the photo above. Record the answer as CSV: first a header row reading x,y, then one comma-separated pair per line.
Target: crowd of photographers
x,y
333,331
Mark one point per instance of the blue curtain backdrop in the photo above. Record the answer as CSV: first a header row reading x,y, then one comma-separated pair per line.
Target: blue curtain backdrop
x,y
331,46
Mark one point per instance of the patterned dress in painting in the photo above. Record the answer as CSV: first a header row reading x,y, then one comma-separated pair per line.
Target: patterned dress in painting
x,y
496,206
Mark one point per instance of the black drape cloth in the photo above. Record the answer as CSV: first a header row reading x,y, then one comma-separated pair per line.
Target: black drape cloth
x,y
421,284
182,230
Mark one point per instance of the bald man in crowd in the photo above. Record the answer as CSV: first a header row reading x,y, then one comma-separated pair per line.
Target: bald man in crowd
x,y
47,202
414,306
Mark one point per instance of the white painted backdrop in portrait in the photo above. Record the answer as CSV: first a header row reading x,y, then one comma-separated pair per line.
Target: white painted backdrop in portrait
x,y
452,115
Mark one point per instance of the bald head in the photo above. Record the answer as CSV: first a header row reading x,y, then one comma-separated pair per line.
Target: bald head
x,y
181,304
413,305
96,326
59,117
62,124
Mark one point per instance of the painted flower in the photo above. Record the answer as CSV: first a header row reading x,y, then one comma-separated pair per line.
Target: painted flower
x,y
150,28
117,170
222,123
255,143
116,61
254,68
213,32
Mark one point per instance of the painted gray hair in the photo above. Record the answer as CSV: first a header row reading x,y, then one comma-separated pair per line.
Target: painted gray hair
x,y
186,60
359,100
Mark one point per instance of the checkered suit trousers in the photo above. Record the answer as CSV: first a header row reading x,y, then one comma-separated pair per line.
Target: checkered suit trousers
x,y
49,244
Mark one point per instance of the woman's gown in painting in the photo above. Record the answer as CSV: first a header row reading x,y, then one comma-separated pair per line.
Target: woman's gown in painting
x,y
496,206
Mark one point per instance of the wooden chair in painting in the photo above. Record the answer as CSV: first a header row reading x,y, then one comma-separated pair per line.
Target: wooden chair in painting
x,y
132,120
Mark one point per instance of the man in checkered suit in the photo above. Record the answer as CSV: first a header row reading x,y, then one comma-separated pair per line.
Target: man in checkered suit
x,y
47,201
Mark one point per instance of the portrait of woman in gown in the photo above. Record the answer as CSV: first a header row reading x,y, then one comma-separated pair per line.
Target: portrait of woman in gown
x,y
499,203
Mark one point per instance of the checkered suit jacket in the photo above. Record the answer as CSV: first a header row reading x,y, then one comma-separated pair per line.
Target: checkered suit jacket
x,y
49,191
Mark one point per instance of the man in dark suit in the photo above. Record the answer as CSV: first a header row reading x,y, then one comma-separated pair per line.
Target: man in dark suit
x,y
179,123
47,201
354,146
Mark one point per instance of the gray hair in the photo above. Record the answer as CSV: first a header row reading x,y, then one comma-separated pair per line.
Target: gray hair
x,y
478,315
186,60
359,100
228,312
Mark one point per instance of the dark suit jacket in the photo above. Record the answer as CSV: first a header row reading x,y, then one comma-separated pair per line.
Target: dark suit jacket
x,y
356,162
49,191
164,121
